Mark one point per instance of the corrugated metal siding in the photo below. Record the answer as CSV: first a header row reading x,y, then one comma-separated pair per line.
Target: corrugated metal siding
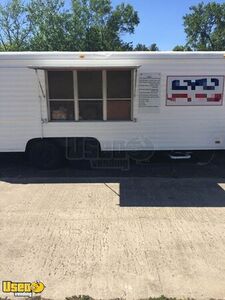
x,y
162,128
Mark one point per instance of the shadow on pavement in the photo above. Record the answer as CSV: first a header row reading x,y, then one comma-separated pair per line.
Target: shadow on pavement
x,y
159,183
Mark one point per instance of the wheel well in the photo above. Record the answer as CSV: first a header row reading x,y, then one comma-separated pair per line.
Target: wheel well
x,y
79,147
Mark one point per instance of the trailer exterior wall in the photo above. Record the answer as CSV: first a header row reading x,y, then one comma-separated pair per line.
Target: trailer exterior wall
x,y
159,128
19,108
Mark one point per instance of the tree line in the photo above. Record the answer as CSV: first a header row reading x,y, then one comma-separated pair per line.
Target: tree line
x,y
95,25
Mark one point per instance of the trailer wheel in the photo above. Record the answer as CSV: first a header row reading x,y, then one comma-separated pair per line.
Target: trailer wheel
x,y
45,154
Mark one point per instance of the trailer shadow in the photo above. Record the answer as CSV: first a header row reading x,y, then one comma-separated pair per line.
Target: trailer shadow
x,y
159,185
173,193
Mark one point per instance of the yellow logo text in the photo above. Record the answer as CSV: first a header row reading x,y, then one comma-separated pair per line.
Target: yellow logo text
x,y
19,288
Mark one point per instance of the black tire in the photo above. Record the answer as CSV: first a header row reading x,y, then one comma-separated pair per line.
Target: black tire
x,y
45,155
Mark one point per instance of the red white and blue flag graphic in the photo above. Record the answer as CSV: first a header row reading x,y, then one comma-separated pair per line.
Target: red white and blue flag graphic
x,y
195,90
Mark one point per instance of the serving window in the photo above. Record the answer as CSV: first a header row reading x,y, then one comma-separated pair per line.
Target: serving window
x,y
89,95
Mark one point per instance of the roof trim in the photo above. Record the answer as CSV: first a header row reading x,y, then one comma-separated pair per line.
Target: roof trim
x,y
82,67
42,58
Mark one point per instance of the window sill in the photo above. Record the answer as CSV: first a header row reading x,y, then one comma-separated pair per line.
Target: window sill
x,y
90,121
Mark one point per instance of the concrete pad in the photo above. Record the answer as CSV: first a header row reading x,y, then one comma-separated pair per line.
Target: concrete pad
x,y
115,237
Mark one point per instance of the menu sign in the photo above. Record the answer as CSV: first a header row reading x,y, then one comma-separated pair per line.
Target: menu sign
x,y
149,89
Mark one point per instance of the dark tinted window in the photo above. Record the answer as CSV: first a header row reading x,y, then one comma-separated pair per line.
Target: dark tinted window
x,y
60,84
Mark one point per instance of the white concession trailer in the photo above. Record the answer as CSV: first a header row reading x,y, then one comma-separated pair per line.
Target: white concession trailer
x,y
123,100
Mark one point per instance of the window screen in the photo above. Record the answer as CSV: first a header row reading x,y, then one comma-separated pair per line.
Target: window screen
x,y
89,84
119,110
119,89
90,110
62,110
60,84
119,84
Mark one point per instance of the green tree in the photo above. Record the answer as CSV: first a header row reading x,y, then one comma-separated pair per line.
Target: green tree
x,y
182,48
15,26
45,25
153,47
50,25
100,27
143,47
205,26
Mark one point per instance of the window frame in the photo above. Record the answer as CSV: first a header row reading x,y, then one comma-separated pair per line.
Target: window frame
x,y
104,94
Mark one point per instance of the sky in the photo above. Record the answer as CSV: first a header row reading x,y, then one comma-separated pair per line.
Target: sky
x,y
160,21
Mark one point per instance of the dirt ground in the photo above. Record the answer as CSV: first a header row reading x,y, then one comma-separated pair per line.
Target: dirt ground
x,y
153,229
